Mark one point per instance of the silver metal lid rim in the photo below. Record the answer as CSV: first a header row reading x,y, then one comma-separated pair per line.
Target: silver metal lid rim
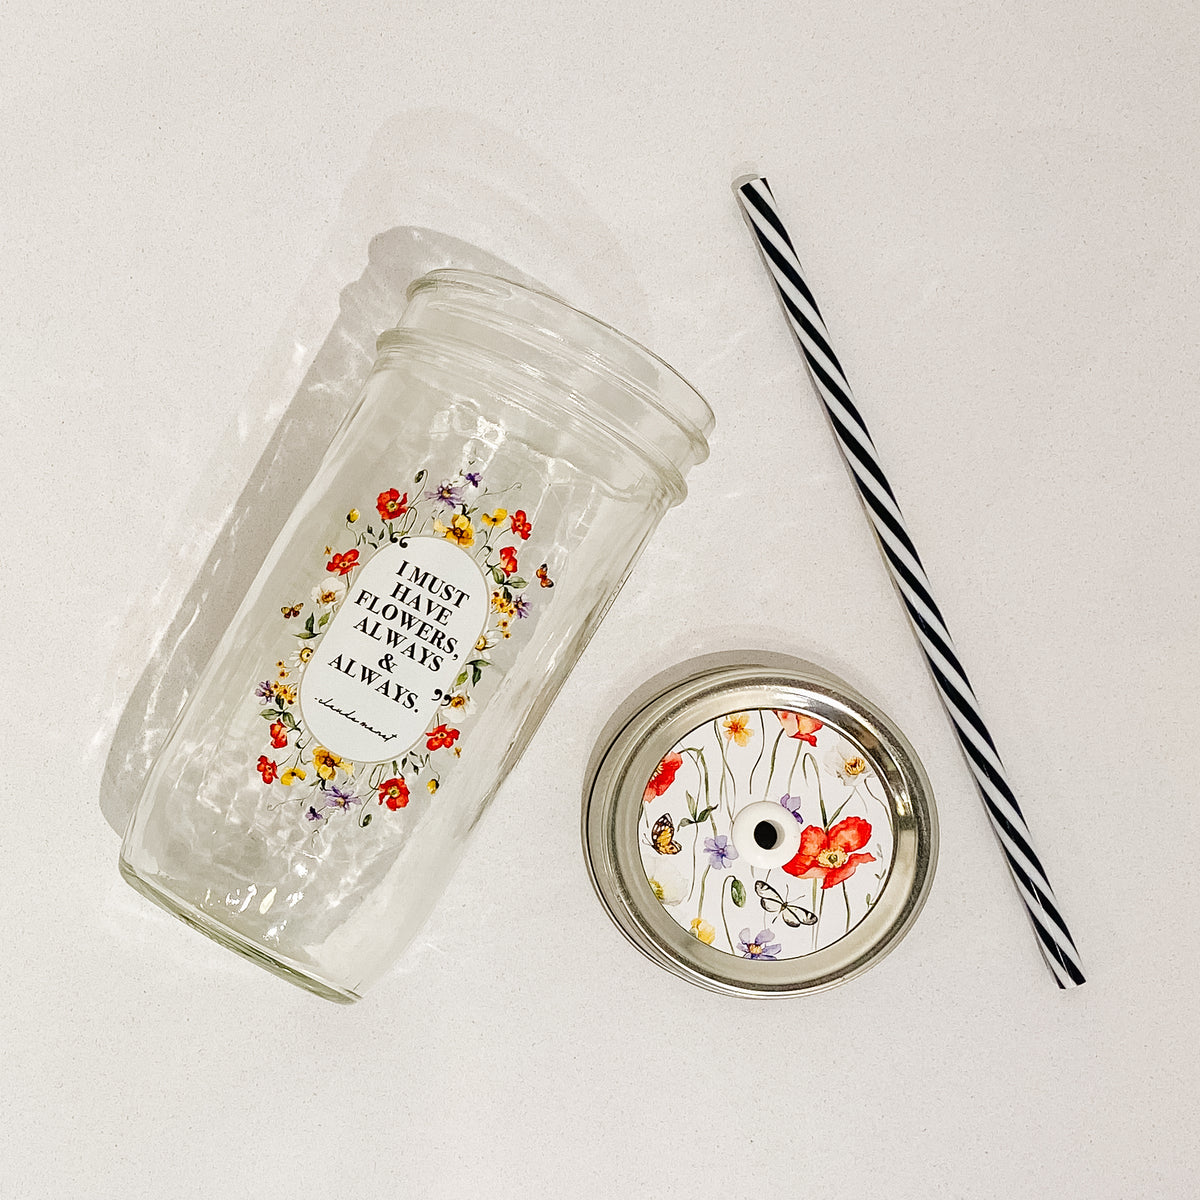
x,y
681,700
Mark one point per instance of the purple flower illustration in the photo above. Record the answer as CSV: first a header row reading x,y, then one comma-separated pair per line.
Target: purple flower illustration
x,y
265,690
720,852
340,797
313,814
521,606
446,493
759,945
792,804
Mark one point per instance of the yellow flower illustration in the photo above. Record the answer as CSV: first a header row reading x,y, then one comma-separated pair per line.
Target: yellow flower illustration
x,y
326,762
737,728
658,890
854,765
703,930
496,518
352,515
286,693
848,764
327,593
291,775
459,531
503,605
457,706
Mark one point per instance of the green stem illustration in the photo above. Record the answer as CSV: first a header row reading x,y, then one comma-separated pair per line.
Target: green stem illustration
x,y
795,763
882,802
702,778
761,751
724,921
692,885
702,770
703,881
774,750
722,794
817,776
837,812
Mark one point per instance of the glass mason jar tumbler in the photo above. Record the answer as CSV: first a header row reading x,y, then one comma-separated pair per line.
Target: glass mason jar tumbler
x,y
467,529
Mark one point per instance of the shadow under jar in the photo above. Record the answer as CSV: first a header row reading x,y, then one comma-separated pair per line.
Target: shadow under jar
x,y
468,527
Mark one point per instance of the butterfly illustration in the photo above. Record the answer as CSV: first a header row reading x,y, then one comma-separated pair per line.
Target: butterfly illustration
x,y
772,902
291,610
662,836
543,576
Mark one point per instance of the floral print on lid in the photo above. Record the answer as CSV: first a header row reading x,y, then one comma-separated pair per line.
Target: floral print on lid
x,y
820,779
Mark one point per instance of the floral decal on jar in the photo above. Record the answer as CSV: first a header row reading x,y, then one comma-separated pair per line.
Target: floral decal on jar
x,y
827,796
324,784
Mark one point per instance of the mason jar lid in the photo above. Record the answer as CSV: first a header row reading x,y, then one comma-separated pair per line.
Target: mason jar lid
x,y
755,826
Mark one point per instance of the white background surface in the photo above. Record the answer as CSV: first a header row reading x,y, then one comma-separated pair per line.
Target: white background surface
x,y
996,206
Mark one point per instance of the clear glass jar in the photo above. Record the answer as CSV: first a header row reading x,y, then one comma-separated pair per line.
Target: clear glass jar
x,y
467,529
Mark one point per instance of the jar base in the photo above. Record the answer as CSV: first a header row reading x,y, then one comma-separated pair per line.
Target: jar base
x,y
232,940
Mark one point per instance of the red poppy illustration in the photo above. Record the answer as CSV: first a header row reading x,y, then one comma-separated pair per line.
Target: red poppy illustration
x,y
827,856
508,559
267,769
278,735
520,526
441,737
663,777
394,793
391,504
343,564
800,726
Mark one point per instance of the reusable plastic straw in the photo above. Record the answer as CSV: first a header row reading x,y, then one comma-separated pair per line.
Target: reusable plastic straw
x,y
879,502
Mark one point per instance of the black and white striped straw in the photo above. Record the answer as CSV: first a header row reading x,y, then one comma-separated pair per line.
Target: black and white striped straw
x,y
908,574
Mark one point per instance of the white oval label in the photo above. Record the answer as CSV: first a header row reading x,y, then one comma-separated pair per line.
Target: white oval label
x,y
394,648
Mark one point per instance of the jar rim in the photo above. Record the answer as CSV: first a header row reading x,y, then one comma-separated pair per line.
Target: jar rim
x,y
523,389
688,409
